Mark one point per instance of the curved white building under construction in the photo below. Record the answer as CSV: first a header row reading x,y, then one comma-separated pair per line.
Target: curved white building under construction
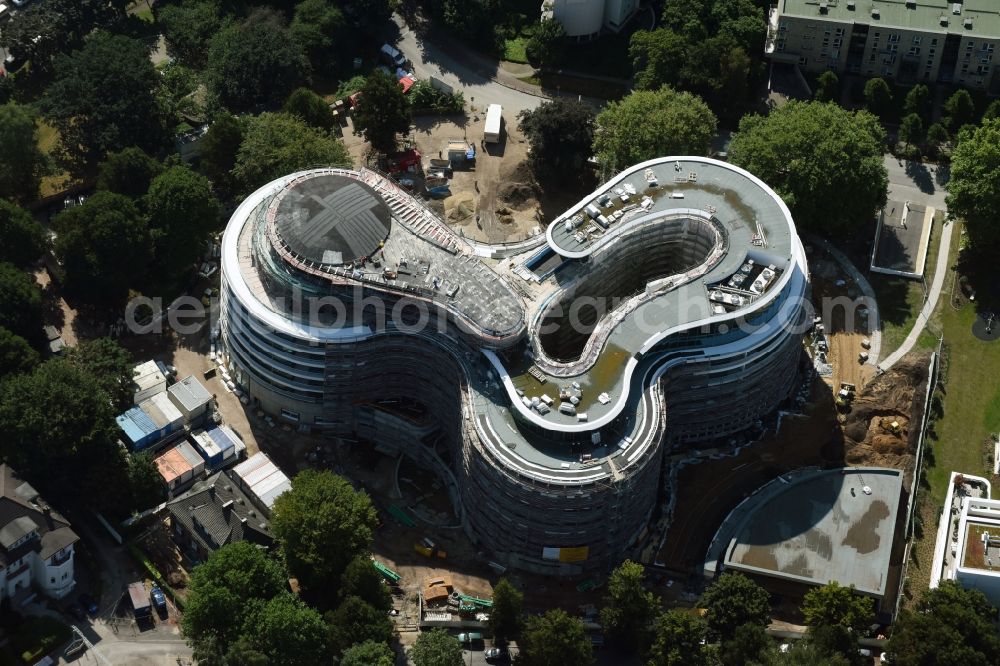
x,y
543,389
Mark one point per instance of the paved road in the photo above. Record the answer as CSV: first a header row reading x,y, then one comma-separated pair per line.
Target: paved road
x,y
914,181
429,60
929,304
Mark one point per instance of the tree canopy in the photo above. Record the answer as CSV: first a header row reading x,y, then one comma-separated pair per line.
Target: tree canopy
x,y
287,632
959,109
110,365
648,124
16,355
322,524
974,186
436,648
277,144
101,98
733,600
554,639
505,616
545,44
310,108
678,640
263,41
356,621
629,607
189,27
368,653
949,625
24,240
316,25
104,246
827,87
361,580
381,111
183,211
834,604
878,97
128,172
219,147
918,101
814,154
20,302
561,135
23,162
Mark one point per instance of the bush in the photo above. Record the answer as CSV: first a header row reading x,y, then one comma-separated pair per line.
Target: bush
x,y
425,98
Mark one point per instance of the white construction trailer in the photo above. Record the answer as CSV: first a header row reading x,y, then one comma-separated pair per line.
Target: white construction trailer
x,y
494,120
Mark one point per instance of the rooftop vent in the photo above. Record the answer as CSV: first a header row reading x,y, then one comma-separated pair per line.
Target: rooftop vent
x,y
911,4
956,8
823,8
967,22
944,20
875,12
850,5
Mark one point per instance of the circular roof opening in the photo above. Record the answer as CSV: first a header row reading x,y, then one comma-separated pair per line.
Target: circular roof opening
x,y
331,219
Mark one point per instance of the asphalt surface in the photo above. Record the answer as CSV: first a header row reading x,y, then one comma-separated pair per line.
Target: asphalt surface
x,y
920,183
428,60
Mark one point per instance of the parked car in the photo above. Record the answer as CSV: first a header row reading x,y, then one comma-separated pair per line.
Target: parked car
x,y
470,638
492,653
159,599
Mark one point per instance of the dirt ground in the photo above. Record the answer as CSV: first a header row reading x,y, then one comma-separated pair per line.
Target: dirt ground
x,y
845,331
822,437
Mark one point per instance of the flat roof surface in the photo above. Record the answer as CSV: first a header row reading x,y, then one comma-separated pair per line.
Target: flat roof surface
x,y
926,15
900,236
330,219
820,526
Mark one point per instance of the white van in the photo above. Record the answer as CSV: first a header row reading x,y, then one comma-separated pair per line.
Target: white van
x,y
392,56
4,13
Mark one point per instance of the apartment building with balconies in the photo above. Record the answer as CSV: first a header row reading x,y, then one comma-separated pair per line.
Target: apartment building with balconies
x,y
907,41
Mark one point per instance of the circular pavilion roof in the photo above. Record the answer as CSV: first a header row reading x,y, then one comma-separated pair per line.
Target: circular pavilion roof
x,y
330,219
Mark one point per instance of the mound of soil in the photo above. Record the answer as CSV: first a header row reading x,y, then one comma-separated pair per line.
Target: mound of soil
x,y
518,196
459,209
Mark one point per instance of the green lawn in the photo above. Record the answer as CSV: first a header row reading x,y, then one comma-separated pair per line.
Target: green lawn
x,y
514,50
900,299
970,414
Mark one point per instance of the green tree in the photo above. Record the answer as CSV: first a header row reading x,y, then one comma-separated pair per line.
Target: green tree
x,y
287,632
808,652
59,434
658,57
918,101
554,639
224,592
310,108
750,644
145,482
361,580
733,600
974,187
381,111
104,246
356,621
23,162
277,144
110,365
189,27
949,625
678,640
545,45
436,648
16,355
368,653
322,524
959,109
937,134
687,18
629,607
315,25
813,154
175,95
505,616
992,111
101,99
561,135
20,302
183,211
42,30
878,97
836,641
827,87
834,604
128,172
218,152
911,129
24,240
263,41
648,124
